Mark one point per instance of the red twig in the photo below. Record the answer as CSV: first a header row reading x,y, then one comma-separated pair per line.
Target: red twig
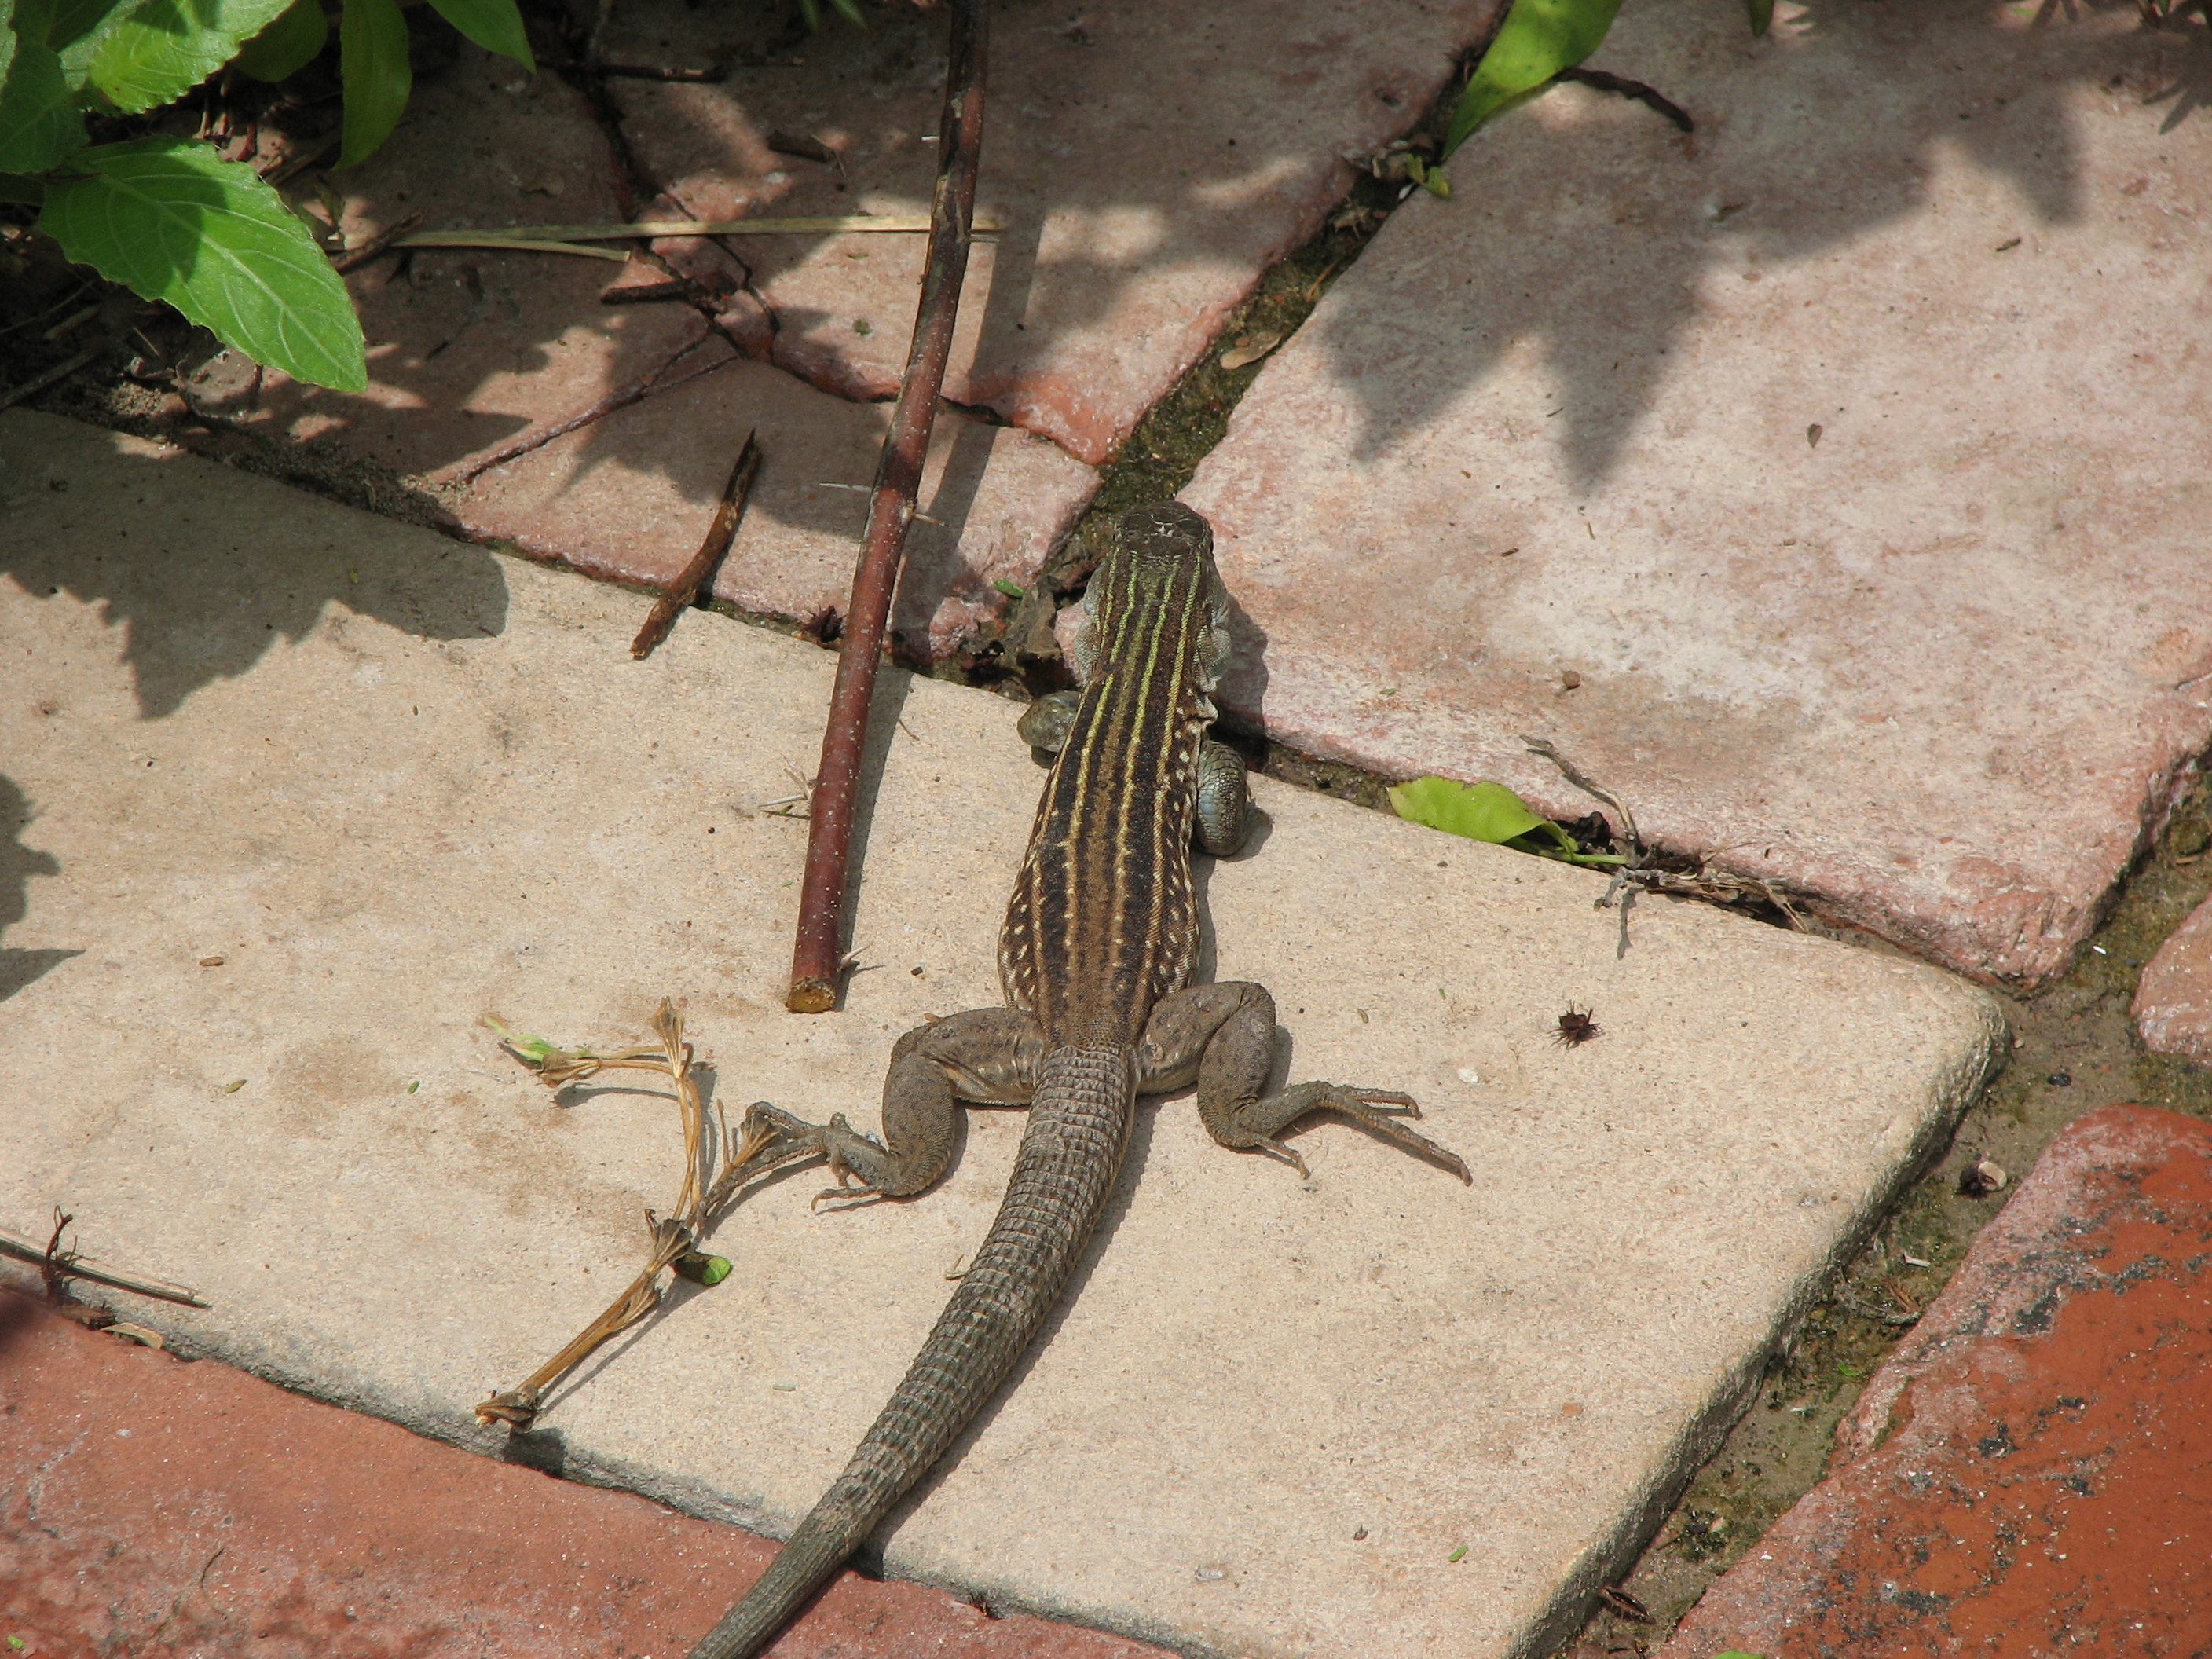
x,y
815,961
685,588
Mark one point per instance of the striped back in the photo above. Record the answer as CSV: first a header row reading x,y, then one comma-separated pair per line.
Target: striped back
x,y
1102,922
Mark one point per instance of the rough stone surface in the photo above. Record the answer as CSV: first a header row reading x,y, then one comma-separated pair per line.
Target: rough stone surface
x,y
1146,164
2030,1473
473,350
2174,997
631,496
469,348
148,1506
1844,451
395,784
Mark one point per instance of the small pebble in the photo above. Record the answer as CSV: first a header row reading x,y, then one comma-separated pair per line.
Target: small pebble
x,y
2059,1080
211,962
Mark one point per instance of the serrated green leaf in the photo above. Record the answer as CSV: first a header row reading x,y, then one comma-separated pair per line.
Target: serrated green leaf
x,y
1481,812
165,48
1762,18
38,120
287,45
175,221
495,25
1540,38
372,65
77,29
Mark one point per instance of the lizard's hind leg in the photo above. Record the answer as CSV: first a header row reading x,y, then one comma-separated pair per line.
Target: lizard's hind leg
x,y
989,1055
1224,1036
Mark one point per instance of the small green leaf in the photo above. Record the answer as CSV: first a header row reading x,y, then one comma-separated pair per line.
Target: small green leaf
x,y
495,25
1540,38
416,1084
373,68
1481,812
1459,1554
165,48
709,1270
15,1642
288,46
175,221
38,121
535,1048
1762,18
1436,185
1011,590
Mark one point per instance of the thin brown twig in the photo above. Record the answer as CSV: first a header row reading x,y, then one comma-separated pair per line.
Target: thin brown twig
x,y
26,1248
375,247
695,575
60,371
636,391
818,954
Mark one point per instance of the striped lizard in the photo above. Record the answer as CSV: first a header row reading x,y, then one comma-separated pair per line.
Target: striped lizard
x,y
1095,958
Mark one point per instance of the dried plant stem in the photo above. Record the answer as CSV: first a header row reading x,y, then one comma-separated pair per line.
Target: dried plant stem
x,y
818,956
671,1237
695,574
54,1263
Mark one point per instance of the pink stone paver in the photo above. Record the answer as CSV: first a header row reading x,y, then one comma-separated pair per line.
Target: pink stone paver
x,y
2030,1473
478,348
154,1508
631,496
1148,164
476,345
2174,997
1847,451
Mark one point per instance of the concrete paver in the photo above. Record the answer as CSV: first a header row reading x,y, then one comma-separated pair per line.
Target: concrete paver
x,y
387,781
1147,166
148,1506
1820,482
2174,997
2027,1474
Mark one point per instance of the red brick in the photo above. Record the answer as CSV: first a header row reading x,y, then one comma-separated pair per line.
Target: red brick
x,y
2031,1471
153,1507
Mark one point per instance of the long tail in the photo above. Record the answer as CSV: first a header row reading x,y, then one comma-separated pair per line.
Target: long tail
x,y
1071,1153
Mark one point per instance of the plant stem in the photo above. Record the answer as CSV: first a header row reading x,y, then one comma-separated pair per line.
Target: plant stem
x,y
817,958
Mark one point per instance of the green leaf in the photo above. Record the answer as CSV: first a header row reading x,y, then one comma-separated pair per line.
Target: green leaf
x,y
38,121
1540,38
78,29
23,188
288,46
709,1270
495,25
1762,18
1481,812
167,47
372,65
175,221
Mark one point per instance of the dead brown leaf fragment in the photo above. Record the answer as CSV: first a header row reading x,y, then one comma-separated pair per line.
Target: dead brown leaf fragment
x,y
1247,349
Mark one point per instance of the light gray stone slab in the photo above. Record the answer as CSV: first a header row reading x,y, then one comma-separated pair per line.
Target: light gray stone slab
x,y
1848,452
398,784
1147,165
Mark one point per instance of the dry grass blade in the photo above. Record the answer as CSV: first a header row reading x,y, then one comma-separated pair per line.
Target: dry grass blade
x,y
69,1262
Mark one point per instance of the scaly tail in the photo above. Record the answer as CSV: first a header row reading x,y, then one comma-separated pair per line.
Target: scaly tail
x,y
1078,1131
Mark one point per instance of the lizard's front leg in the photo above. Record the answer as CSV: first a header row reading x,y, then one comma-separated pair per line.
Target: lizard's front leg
x,y
1224,1036
988,1056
